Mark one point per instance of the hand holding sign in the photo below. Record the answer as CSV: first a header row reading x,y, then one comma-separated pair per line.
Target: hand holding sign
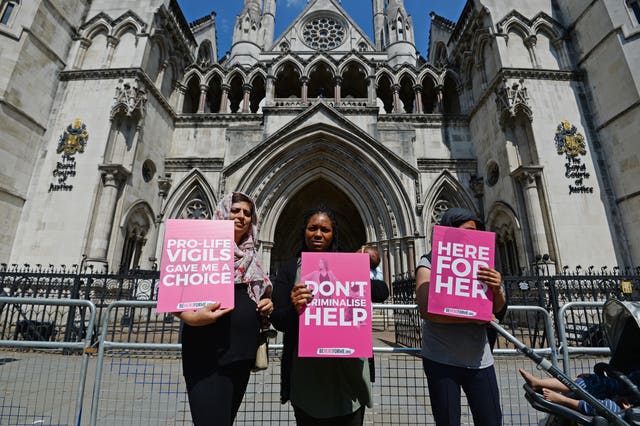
x,y
462,273
204,316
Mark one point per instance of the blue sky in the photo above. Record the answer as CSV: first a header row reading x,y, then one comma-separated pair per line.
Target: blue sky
x,y
287,10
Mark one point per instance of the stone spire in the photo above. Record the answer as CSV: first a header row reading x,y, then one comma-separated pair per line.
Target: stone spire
x,y
378,23
400,44
245,48
268,23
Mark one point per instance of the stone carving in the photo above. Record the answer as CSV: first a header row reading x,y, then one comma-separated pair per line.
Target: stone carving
x,y
130,97
512,99
73,139
569,141
323,33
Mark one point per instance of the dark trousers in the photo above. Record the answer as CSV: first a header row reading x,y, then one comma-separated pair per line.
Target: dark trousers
x,y
479,385
354,419
215,398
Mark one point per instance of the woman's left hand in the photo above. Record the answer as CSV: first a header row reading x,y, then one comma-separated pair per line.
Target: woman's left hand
x,y
490,277
265,307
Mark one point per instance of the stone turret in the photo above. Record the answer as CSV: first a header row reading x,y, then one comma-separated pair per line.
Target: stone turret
x,y
400,43
247,42
268,23
378,23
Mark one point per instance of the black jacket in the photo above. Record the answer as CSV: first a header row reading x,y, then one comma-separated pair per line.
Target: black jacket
x,y
286,319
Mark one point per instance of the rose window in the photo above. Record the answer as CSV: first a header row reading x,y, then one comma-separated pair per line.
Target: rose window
x,y
323,33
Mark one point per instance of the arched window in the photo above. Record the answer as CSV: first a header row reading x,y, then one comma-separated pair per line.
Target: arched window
x,y
135,237
321,82
205,53
634,5
7,10
196,207
288,84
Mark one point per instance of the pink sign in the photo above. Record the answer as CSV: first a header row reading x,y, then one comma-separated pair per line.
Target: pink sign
x,y
337,322
197,265
457,255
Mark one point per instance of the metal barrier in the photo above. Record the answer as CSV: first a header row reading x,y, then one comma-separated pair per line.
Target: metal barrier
x,y
21,399
141,382
563,327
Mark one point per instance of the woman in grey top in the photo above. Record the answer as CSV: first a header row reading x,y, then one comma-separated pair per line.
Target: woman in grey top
x,y
455,351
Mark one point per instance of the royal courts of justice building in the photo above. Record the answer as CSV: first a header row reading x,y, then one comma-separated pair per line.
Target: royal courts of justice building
x,y
116,116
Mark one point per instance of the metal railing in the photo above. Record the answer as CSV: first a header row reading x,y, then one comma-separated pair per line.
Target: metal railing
x,y
34,335
138,378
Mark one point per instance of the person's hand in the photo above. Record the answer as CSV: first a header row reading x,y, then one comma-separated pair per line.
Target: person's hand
x,y
203,316
490,277
265,307
300,296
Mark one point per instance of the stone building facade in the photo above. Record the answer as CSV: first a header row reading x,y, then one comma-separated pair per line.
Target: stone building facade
x,y
118,116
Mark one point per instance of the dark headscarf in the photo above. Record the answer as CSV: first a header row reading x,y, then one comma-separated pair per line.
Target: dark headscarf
x,y
456,216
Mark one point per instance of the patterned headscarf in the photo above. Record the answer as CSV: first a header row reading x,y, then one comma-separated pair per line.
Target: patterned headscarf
x,y
247,268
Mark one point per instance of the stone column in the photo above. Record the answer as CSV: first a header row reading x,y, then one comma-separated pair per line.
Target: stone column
x,y
371,89
224,102
161,71
304,81
397,261
411,254
337,81
112,42
82,51
113,178
439,96
270,89
246,99
265,258
386,262
396,99
203,98
527,177
182,90
530,43
418,102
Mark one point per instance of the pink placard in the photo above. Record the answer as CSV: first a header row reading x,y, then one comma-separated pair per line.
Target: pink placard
x,y
197,265
457,254
337,322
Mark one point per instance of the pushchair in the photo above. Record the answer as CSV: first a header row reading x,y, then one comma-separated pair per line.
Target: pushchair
x,y
621,322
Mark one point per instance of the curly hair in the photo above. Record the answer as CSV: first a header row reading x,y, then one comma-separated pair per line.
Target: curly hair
x,y
334,246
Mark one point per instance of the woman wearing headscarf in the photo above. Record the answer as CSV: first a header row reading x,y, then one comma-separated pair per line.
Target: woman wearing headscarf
x,y
455,351
219,345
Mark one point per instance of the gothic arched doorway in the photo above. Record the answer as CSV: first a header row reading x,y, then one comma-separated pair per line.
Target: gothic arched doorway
x,y
288,232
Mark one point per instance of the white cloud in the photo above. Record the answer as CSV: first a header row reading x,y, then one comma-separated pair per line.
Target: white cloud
x,y
293,3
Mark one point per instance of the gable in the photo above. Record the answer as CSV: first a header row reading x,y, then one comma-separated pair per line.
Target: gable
x,y
323,26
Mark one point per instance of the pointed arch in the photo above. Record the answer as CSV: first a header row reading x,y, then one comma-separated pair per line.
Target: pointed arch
x,y
351,61
321,79
365,170
100,26
354,80
126,26
192,94
450,94
406,93
320,61
192,198
444,193
384,92
135,227
288,80
510,249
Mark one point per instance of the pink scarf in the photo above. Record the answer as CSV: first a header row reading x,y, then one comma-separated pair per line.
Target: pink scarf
x,y
248,269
